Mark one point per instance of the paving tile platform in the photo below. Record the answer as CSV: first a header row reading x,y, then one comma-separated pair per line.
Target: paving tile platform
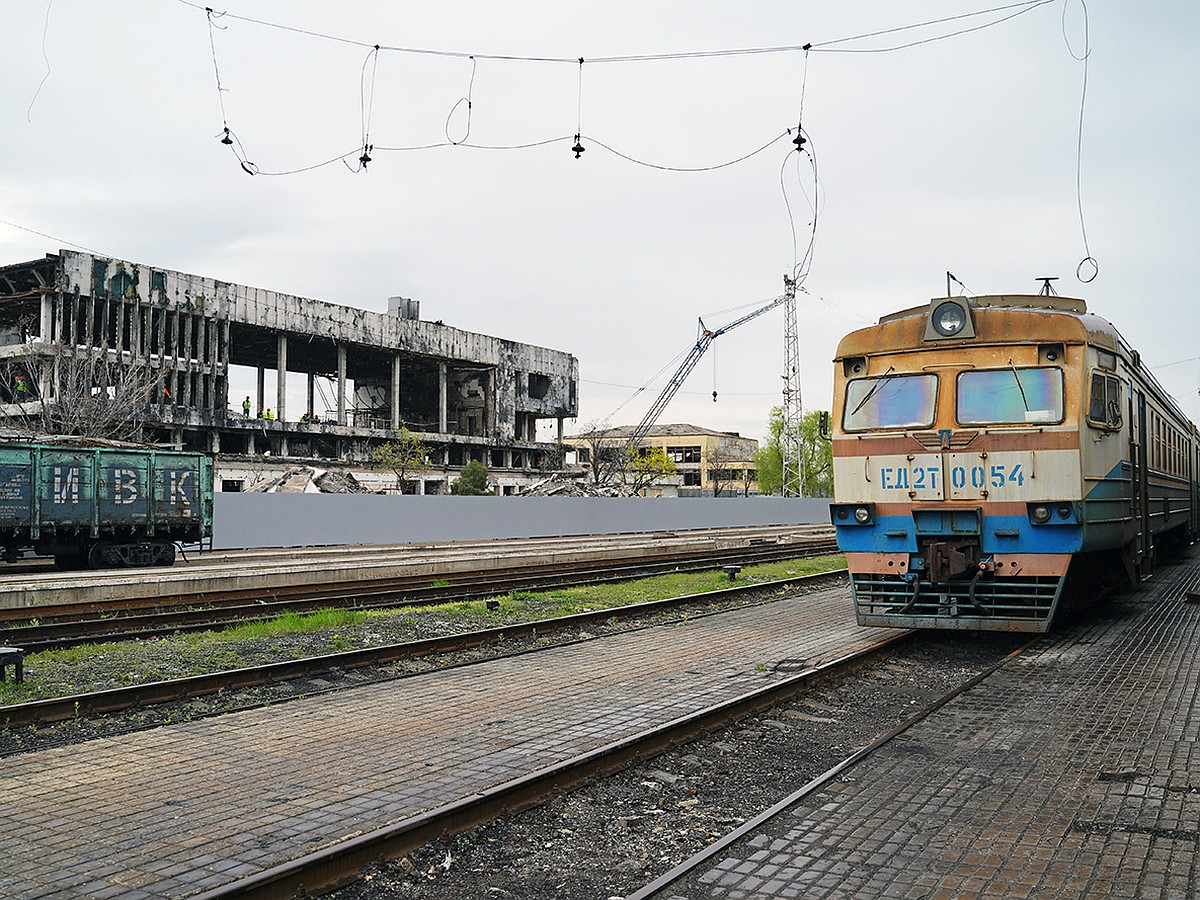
x,y
1073,772
179,809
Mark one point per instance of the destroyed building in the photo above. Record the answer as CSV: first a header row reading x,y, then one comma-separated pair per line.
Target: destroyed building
x,y
366,374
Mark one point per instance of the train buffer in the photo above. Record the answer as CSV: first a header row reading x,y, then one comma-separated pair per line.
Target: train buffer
x,y
15,657
731,571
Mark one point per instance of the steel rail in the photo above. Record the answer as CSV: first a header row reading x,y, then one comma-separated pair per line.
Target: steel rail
x,y
60,709
339,864
749,827
204,612
63,611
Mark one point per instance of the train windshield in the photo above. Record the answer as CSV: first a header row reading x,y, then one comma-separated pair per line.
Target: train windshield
x,y
1010,396
890,401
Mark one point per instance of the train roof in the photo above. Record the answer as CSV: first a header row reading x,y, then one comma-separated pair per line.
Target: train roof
x,y
1064,318
1031,301
906,330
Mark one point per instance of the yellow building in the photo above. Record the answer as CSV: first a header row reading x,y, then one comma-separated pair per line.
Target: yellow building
x,y
709,463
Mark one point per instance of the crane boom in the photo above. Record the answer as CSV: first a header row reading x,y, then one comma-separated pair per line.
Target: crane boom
x,y
707,336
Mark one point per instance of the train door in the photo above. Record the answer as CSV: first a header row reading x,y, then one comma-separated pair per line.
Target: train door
x,y
1193,476
1139,449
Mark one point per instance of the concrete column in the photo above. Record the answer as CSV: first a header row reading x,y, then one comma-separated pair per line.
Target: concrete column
x,y
261,399
47,326
395,391
250,443
216,440
281,380
47,318
312,381
221,368
341,385
560,430
442,407
60,311
89,324
160,334
283,445
135,330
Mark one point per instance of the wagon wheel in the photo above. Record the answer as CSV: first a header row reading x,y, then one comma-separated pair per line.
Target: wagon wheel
x,y
102,556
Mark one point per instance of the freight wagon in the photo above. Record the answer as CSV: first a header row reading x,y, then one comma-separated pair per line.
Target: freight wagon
x,y
94,504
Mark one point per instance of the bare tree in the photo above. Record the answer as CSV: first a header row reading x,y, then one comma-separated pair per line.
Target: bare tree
x,y
53,389
727,462
600,445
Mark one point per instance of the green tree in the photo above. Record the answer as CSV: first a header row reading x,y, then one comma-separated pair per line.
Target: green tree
x,y
647,465
472,480
816,457
405,456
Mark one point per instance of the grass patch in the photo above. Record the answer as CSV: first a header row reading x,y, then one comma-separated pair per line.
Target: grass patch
x,y
296,623
98,666
586,598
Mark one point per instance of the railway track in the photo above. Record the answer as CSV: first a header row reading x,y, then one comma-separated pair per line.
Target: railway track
x,y
340,863
665,884
135,618
59,709
425,842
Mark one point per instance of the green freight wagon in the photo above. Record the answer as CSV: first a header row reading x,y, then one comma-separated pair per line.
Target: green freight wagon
x,y
102,504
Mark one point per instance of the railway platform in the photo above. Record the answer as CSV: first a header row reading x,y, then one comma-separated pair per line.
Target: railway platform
x,y
1071,772
181,810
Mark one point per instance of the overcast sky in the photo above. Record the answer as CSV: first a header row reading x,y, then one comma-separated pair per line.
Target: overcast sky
x,y
956,155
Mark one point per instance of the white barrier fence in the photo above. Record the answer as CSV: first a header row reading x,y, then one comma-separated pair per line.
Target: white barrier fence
x,y
250,520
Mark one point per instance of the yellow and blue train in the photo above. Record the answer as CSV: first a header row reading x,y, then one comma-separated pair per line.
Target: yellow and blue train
x,y
985,446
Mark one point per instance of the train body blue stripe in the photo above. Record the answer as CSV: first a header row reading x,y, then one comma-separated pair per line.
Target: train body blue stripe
x,y
897,534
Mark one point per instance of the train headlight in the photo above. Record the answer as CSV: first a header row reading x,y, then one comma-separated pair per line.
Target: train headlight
x,y
1040,513
852,514
949,319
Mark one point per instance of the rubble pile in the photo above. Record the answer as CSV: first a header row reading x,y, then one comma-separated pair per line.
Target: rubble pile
x,y
558,486
338,483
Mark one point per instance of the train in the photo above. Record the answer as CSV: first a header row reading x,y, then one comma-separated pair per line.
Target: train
x,y
985,447
102,504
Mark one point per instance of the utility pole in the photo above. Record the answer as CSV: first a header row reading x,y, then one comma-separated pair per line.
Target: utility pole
x,y
790,445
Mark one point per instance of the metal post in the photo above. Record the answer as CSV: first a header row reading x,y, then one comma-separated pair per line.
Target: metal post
x,y
790,444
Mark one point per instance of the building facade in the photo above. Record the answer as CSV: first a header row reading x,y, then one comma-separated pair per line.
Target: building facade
x,y
707,463
366,375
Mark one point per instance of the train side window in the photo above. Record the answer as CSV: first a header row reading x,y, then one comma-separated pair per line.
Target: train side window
x,y
1104,404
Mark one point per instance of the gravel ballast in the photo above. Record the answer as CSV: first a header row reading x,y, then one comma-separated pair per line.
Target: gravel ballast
x,y
611,837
